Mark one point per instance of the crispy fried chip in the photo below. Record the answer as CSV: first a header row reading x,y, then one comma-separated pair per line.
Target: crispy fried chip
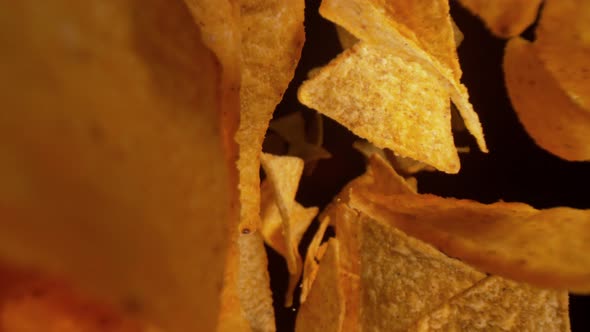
x,y
563,44
253,284
402,165
33,302
504,18
312,257
113,167
497,304
420,28
390,100
275,235
324,309
346,39
282,215
496,238
292,128
272,38
550,117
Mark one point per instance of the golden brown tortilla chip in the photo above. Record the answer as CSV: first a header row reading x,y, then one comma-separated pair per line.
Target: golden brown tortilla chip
x,y
497,304
500,238
113,166
272,38
504,18
324,308
409,27
315,251
556,122
389,100
563,45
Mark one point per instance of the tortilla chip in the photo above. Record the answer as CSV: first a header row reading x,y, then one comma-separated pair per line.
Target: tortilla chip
x,y
420,29
275,236
113,167
457,34
272,39
549,115
33,302
563,45
324,309
495,238
389,100
403,278
292,128
312,257
402,165
497,304
253,284
346,39
504,18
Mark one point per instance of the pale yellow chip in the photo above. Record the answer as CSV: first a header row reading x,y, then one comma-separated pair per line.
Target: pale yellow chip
x,y
275,236
497,304
422,29
113,167
390,100
563,45
546,248
325,306
556,122
504,18
272,39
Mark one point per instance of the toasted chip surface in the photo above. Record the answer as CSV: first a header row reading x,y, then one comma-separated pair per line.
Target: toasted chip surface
x,y
113,167
390,100
497,304
504,18
496,238
389,25
324,308
563,45
403,278
550,116
272,39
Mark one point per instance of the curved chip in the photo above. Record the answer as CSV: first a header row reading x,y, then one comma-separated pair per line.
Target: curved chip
x,y
113,165
390,100
504,18
549,115
546,248
563,45
272,39
420,28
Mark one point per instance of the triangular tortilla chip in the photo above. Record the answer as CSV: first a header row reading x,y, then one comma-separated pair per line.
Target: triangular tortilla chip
x,y
113,168
275,235
556,123
495,238
407,27
324,309
389,100
272,39
563,45
497,304
504,18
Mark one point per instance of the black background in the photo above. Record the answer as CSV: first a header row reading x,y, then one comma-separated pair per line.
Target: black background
x,y
514,170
